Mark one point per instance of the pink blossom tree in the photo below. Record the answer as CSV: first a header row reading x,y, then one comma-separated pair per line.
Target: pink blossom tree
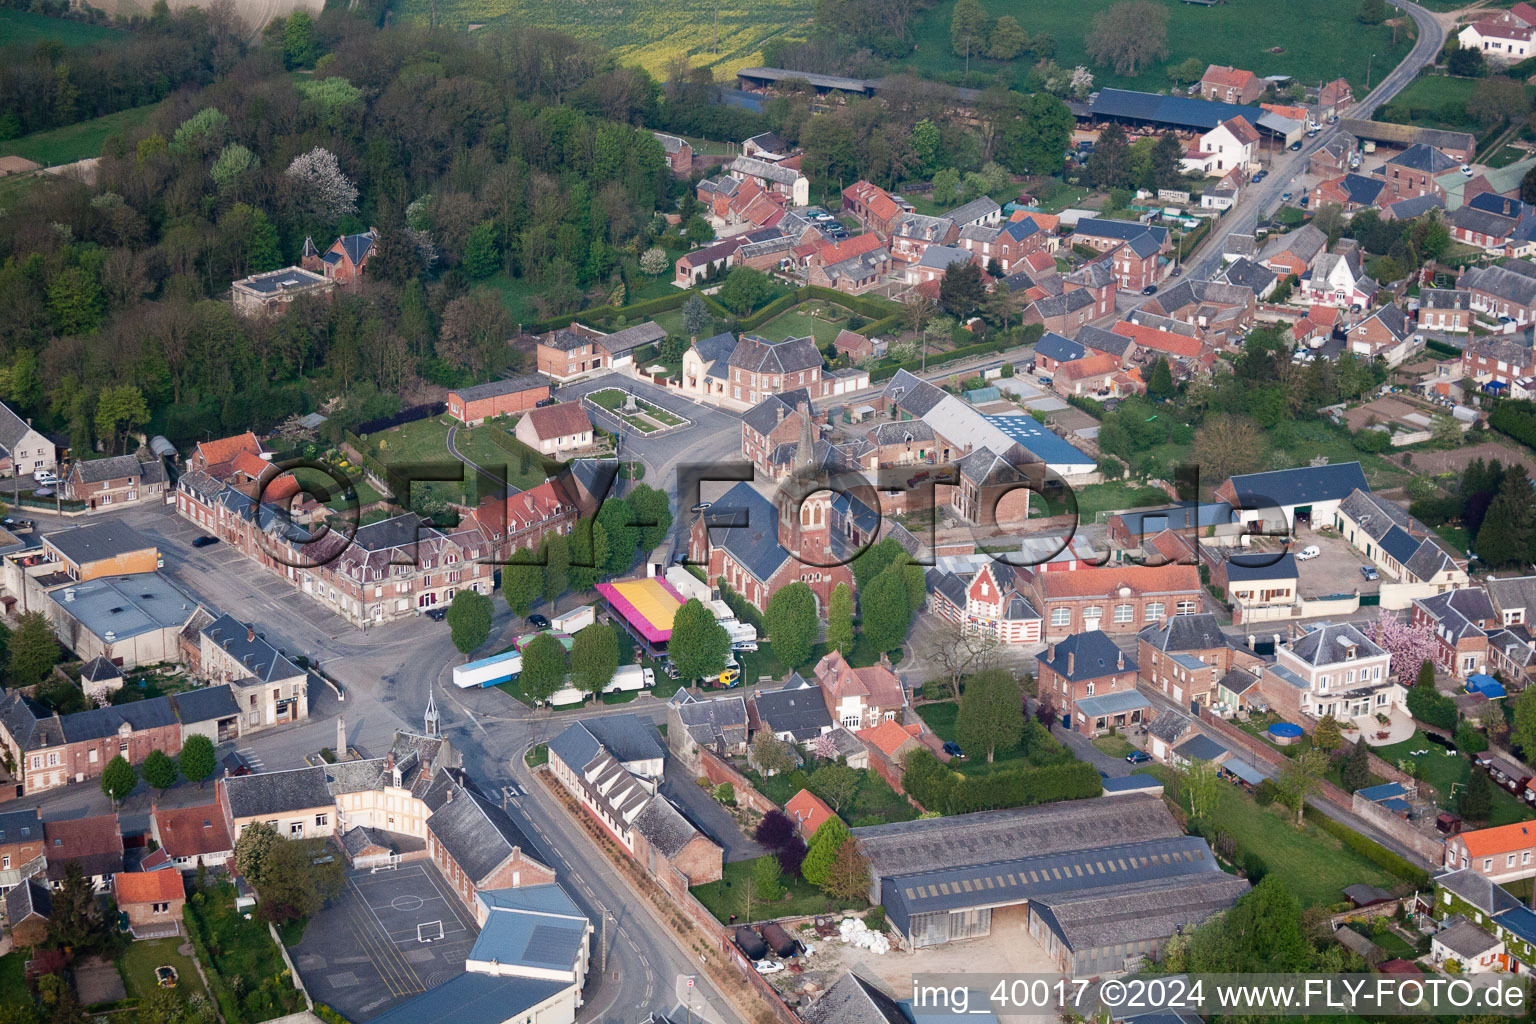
x,y
1409,645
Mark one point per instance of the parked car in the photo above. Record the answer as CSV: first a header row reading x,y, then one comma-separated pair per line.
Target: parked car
x,y
767,967
1260,176
1295,146
1309,552
1178,271
547,402
1285,197
538,621
1138,757
1466,169
1370,573
1044,380
12,523
1150,289
953,749
1304,201
702,506
45,477
204,541
437,614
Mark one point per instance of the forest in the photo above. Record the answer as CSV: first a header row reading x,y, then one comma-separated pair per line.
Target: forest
x,y
515,162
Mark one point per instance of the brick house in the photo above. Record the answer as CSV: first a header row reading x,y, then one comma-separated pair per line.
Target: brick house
x,y
151,900
759,368
95,843
1293,252
556,430
860,698
1227,84
1333,158
1087,294
1504,360
217,457
1334,98
859,347
569,352
472,406
809,812
1499,291
51,750
1117,599
1445,309
1253,583
523,519
1108,235
995,599
1089,665
693,267
120,480
1386,333
1504,853
1413,171
679,153
873,206
1338,279
777,421
345,261
476,845
889,743
913,233
1008,244
21,846
1187,657
613,768
1460,620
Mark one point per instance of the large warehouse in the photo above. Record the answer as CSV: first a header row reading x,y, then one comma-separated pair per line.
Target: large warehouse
x,y
1096,882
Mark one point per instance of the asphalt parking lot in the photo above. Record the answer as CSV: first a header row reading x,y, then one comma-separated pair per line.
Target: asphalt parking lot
x,y
1336,570
365,953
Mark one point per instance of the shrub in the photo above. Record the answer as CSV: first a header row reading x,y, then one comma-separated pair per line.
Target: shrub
x,y
726,794
1470,739
937,788
875,919
1265,793
1254,867
1370,849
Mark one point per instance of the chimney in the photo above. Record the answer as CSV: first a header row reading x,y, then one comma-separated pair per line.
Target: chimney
x,y
250,634
1120,662
1071,661
451,790
389,762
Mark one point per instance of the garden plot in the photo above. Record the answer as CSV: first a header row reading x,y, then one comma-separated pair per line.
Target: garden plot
x,y
644,417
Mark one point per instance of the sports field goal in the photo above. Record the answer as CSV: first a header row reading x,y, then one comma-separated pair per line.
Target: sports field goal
x,y
429,931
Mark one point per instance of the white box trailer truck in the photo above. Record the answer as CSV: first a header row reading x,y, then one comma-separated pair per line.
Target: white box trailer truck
x,y
631,677
571,621
567,695
498,668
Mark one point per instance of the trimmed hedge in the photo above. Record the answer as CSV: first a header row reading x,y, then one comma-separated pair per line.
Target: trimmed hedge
x,y
937,788
1441,348
1370,849
370,463
915,365
864,305
1517,419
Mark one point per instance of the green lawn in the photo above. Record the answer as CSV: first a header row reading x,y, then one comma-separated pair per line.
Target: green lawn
x,y
76,141
137,966
1312,864
1427,97
1114,746
1096,498
517,295
22,28
725,897
1505,156
1320,40
13,979
798,322
537,754
873,803
426,441
941,716
1447,774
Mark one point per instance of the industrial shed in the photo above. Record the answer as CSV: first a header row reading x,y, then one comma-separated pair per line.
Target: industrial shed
x,y
1088,877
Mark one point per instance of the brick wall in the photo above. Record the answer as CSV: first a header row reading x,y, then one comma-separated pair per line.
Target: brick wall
x,y
717,771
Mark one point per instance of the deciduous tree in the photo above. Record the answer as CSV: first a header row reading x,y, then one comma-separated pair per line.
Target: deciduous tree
x,y
887,612
991,716
1356,769
836,783
791,622
829,838
118,779
198,761
34,650
849,877
469,619
699,644
594,657
522,581
1129,36
160,770
544,667
840,620
1298,777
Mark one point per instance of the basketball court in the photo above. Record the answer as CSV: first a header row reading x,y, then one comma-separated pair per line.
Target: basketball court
x,y
392,934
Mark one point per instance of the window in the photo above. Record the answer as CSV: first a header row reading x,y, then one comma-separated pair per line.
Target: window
x,y
1061,616
161,908
296,828
1185,608
322,820
5,862
1092,614
53,759
1154,611
1090,690
1509,861
1125,613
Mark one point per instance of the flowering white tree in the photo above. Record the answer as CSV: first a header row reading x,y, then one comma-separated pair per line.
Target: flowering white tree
x,y
654,261
317,177
1082,82
824,747
1410,646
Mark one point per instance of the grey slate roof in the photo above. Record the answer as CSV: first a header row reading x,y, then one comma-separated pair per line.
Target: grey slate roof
x,y
510,386
259,657
12,428
1124,230
852,1000
1248,274
1248,568
912,395
1301,486
755,545
664,826
1153,909
26,899
17,826
1091,655
976,209
477,833
797,708
1513,592
630,338
206,704
1200,632
1304,243
1060,348
629,737
1325,644
1200,748
99,670
268,793
1420,157
770,412
1169,725
1465,939
118,467
1504,282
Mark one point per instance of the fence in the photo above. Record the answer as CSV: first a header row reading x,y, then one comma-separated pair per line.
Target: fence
x,y
713,768
293,971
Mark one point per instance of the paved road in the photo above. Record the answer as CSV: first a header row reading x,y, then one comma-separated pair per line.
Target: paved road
x,y
1264,198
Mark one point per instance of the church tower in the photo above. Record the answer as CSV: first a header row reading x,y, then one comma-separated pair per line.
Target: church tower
x,y
805,527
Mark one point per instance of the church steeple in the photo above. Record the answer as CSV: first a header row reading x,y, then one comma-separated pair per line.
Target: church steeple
x,y
432,722
805,451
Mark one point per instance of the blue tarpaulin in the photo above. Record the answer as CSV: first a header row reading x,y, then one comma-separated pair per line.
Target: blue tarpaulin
x,y
1486,685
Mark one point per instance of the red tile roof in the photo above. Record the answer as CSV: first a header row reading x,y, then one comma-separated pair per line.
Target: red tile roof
x,y
1227,76
224,449
192,831
1490,842
1088,366
560,420
1525,12
808,811
887,737
875,199
96,842
858,245
877,684
1161,341
1294,113
1337,89
1241,130
148,887
1144,579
